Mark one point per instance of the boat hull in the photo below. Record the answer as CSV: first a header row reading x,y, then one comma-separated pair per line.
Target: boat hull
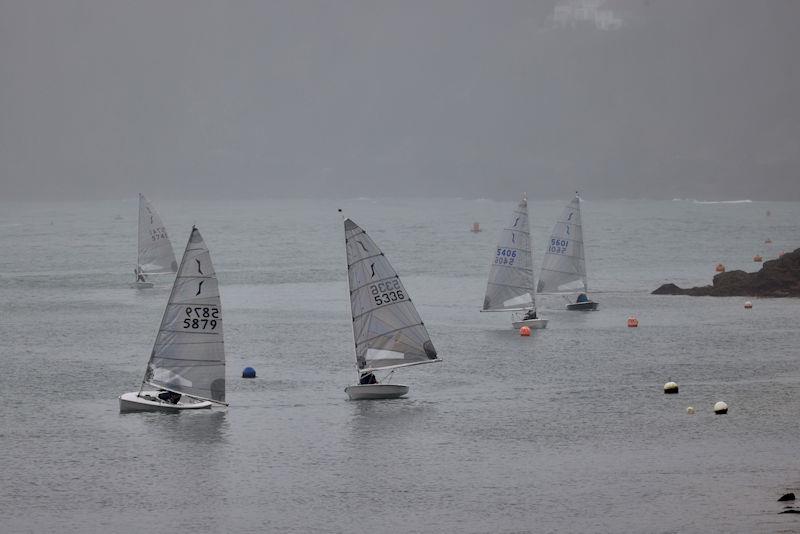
x,y
583,306
141,285
533,324
148,401
375,391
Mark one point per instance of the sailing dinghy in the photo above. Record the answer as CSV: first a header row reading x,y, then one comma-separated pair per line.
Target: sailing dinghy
x,y
510,287
155,254
564,264
187,365
387,330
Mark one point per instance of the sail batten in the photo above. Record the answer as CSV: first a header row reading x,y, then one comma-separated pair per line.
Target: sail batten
x,y
564,262
188,355
155,254
510,286
387,329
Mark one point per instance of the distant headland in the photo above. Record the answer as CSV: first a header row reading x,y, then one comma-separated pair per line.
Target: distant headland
x,y
777,278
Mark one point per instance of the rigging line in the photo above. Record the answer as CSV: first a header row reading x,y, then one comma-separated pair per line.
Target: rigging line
x,y
384,305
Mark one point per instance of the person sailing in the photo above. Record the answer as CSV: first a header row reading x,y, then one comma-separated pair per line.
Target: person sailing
x,y
367,378
139,275
530,314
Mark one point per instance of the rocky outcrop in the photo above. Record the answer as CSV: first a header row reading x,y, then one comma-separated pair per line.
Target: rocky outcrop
x,y
777,278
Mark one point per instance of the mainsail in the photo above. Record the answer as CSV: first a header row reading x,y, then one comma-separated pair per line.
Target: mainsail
x,y
510,286
189,356
155,250
387,329
564,262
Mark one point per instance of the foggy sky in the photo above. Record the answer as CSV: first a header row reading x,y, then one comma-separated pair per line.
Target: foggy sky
x,y
207,98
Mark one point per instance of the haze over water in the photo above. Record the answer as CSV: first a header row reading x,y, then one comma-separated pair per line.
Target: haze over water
x,y
567,430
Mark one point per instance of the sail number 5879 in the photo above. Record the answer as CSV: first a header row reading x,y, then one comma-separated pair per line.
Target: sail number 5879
x,y
386,292
200,318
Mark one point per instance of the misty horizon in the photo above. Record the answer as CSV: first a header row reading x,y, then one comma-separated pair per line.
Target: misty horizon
x,y
615,98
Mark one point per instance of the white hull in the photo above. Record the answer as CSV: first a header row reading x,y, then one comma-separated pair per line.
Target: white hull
x,y
148,401
533,324
375,391
141,285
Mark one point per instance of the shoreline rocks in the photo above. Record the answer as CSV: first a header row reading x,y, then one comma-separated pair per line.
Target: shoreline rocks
x,y
776,278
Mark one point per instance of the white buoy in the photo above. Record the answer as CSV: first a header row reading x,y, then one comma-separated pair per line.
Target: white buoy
x,y
670,387
748,305
690,410
720,408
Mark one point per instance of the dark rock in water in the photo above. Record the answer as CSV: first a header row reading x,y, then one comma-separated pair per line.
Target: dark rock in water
x,y
787,497
790,511
777,278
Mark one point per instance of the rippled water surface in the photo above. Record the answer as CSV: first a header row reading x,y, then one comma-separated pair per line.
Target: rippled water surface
x,y
567,430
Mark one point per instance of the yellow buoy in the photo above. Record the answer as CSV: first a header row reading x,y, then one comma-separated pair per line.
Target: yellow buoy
x,y
524,331
670,388
720,408
748,305
690,410
633,322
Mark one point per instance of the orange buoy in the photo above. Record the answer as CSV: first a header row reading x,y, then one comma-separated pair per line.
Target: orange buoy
x,y
720,268
633,322
748,305
525,331
757,258
476,227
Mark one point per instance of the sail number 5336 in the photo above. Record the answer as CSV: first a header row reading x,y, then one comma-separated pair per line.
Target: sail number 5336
x,y
200,318
386,292
505,256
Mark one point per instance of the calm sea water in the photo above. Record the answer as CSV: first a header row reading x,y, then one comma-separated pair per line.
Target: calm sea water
x,y
567,430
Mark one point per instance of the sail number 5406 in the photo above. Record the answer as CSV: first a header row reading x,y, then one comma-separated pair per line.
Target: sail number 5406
x,y
386,292
200,318
505,256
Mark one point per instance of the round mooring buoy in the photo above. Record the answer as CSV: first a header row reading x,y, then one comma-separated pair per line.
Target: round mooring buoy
x,y
720,268
670,388
720,408
748,305
248,372
690,410
524,331
633,322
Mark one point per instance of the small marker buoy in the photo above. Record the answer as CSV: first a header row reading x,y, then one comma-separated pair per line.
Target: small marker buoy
x,y
524,331
768,241
670,388
476,228
757,258
720,268
720,408
633,322
248,372
782,253
748,305
690,410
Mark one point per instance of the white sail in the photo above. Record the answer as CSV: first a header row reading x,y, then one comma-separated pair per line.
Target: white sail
x,y
387,329
155,250
510,285
564,261
189,355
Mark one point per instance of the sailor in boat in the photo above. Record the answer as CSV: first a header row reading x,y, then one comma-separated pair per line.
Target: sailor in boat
x,y
530,314
582,298
367,378
139,275
169,396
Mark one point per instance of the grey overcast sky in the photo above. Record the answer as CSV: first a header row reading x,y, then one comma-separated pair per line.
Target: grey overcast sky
x,y
206,98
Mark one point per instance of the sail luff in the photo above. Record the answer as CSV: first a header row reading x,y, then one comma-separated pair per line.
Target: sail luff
x,y
510,285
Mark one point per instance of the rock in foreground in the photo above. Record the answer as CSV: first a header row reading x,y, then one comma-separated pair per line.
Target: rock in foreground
x,y
777,278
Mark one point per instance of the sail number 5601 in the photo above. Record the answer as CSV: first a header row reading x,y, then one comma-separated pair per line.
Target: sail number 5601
x,y
386,292
200,318
558,246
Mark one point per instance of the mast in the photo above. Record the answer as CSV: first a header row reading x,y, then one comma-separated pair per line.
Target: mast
x,y
349,295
